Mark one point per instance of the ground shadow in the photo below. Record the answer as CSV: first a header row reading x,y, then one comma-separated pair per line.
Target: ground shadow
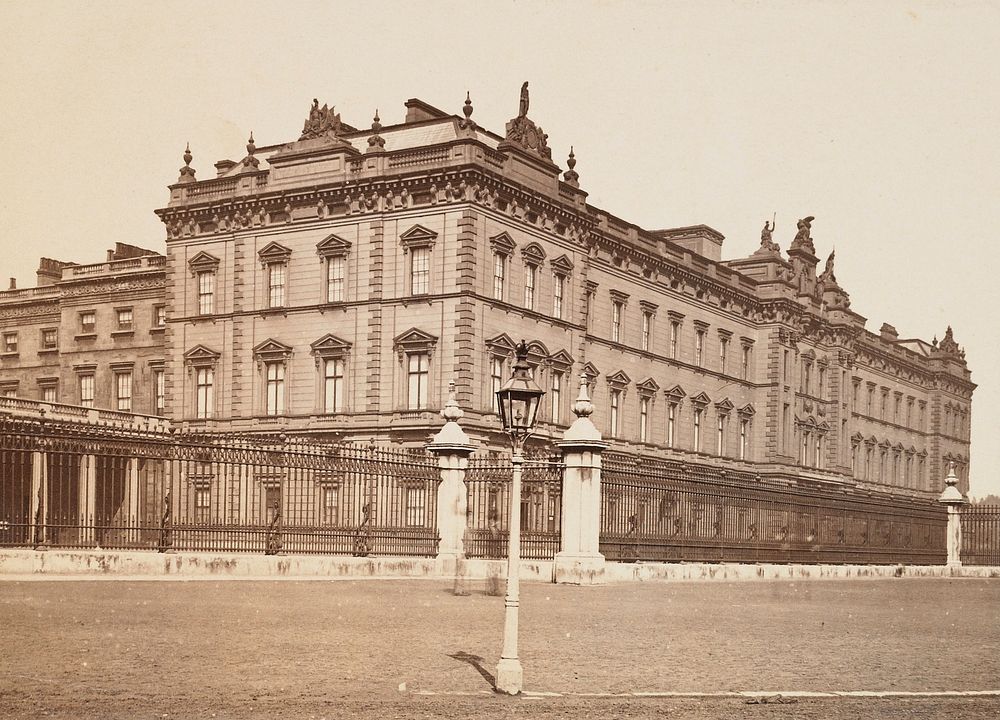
x,y
476,662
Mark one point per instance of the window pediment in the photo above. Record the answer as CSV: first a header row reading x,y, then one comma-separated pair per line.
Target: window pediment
x,y
725,405
272,350
562,265
413,340
537,352
203,262
619,379
647,387
502,344
562,359
676,393
701,399
503,243
330,346
591,371
332,246
274,253
533,253
417,236
201,356
747,410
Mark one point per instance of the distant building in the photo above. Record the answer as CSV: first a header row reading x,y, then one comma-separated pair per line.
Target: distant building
x,y
333,285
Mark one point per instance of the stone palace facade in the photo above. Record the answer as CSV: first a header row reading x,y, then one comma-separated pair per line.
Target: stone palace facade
x,y
334,285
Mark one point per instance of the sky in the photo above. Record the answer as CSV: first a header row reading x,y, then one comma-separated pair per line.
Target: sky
x,y
879,119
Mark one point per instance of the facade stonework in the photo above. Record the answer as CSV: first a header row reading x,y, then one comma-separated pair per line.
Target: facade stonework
x,y
335,284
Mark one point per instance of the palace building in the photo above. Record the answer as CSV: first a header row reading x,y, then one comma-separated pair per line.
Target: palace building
x,y
334,285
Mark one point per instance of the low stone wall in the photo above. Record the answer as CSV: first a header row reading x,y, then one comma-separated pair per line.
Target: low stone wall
x,y
63,563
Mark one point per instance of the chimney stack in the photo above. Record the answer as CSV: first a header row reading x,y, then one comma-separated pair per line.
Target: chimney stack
x,y
13,283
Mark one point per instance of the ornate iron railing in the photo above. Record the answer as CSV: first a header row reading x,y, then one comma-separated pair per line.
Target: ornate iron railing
x,y
657,509
981,535
84,486
488,481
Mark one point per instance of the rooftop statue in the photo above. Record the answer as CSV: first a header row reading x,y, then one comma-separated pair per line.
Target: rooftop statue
x,y
765,238
523,132
827,275
523,109
322,121
803,237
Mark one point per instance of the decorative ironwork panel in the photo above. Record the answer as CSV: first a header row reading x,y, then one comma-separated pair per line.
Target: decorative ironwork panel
x,y
981,535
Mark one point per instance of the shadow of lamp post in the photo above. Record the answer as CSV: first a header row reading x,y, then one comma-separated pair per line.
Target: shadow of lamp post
x,y
518,400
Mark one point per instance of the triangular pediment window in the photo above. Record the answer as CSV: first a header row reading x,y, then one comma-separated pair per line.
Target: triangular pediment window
x,y
502,243
675,393
619,379
562,359
562,264
418,236
701,399
330,345
333,245
203,262
274,253
200,355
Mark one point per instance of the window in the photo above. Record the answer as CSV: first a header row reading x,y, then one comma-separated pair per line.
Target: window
x,y
202,505
745,363
418,366
420,270
723,352
855,449
558,290
496,380
333,385
204,397
10,342
331,504
88,322
415,506
49,393
616,399
557,381
804,449
616,320
87,390
499,275
806,377
881,466
720,444
123,390
699,348
159,392
744,438
818,459
895,409
871,399
868,463
206,293
821,382
675,331
530,274
785,430
589,308
854,394
275,388
784,367
643,419
671,422
647,328
159,316
9,390
124,318
698,412
50,339
335,278
276,285
885,395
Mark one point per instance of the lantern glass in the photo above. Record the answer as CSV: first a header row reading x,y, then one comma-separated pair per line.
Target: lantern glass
x,y
519,398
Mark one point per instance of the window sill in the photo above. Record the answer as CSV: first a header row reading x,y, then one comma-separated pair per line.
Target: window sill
x,y
86,336
122,333
49,351
157,330
9,355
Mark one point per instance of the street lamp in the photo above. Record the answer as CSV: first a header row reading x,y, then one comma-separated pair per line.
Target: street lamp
x,y
518,402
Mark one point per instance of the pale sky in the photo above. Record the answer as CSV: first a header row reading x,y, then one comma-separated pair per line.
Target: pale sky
x,y
880,119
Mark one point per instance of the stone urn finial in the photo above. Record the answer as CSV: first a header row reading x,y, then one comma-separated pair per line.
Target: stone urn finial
x,y
451,412
951,493
583,407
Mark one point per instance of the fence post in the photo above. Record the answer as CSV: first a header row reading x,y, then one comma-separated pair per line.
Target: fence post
x,y
39,508
452,448
579,560
954,499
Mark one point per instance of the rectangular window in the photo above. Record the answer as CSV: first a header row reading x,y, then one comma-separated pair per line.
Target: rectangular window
x,y
87,390
123,390
558,288
745,363
9,391
675,331
821,383
499,275
785,431
744,438
206,293
530,273
804,450
417,376
159,316
160,392
871,400
124,318
854,459
205,398
819,451
49,393
331,504
895,410
720,444
202,505
616,398
784,367
671,423
643,419
697,429
333,385
50,339
496,380
647,328
276,285
88,322
275,404
420,270
335,279
854,396
885,395
10,342
415,506
699,347
868,463
723,352
616,321
557,381
806,372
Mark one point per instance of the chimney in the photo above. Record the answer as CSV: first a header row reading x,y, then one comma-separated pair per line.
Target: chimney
x,y
13,283
888,332
111,255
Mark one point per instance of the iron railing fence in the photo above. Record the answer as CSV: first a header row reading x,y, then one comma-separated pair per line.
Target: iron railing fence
x,y
488,481
63,486
663,510
981,535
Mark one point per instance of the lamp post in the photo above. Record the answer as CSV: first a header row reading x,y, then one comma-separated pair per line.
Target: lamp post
x,y
518,402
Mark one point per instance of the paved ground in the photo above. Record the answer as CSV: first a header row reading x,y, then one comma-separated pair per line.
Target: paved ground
x,y
411,649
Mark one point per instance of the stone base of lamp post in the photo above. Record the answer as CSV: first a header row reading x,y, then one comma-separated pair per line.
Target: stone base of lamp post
x,y
510,676
573,569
